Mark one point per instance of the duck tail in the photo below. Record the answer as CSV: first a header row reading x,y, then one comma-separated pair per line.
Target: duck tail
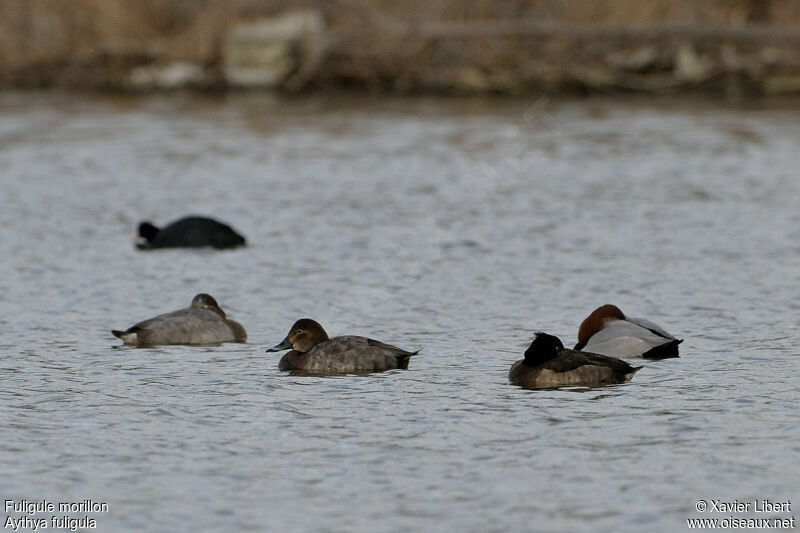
x,y
630,374
663,351
128,337
402,359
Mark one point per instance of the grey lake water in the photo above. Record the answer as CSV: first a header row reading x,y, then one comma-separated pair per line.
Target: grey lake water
x,y
457,226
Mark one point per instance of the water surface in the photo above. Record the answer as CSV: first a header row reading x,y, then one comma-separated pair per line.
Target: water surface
x,y
455,226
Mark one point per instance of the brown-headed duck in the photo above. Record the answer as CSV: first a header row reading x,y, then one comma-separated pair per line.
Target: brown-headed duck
x,y
189,232
312,352
203,322
608,331
548,364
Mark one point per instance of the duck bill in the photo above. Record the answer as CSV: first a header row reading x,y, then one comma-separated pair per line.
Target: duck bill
x,y
284,345
141,243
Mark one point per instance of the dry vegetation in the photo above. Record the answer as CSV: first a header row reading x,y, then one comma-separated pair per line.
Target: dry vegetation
x,y
462,45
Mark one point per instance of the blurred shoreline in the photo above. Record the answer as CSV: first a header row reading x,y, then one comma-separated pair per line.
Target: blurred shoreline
x,y
729,48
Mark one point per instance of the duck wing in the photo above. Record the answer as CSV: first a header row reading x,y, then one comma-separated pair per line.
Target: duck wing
x,y
390,348
652,326
621,338
353,353
569,360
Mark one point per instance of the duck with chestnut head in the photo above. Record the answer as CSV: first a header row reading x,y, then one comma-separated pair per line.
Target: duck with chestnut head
x,y
313,352
608,331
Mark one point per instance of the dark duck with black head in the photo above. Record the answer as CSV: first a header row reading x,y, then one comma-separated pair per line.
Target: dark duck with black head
x,y
548,364
189,232
313,352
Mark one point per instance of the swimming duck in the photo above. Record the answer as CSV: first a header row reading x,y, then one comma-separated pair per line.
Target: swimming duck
x,y
192,232
608,331
203,322
314,353
547,365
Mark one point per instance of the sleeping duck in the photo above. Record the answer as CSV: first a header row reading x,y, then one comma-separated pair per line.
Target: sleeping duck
x,y
203,322
548,364
312,352
608,331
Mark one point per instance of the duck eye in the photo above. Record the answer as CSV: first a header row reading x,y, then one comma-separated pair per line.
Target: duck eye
x,y
298,331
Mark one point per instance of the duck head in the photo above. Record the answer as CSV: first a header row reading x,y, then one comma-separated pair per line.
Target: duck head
x,y
148,231
206,301
543,348
304,335
597,321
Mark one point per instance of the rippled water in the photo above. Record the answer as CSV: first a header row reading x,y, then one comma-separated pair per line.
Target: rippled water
x,y
456,226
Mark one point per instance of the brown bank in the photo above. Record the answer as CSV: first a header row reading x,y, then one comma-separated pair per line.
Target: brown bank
x,y
729,46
